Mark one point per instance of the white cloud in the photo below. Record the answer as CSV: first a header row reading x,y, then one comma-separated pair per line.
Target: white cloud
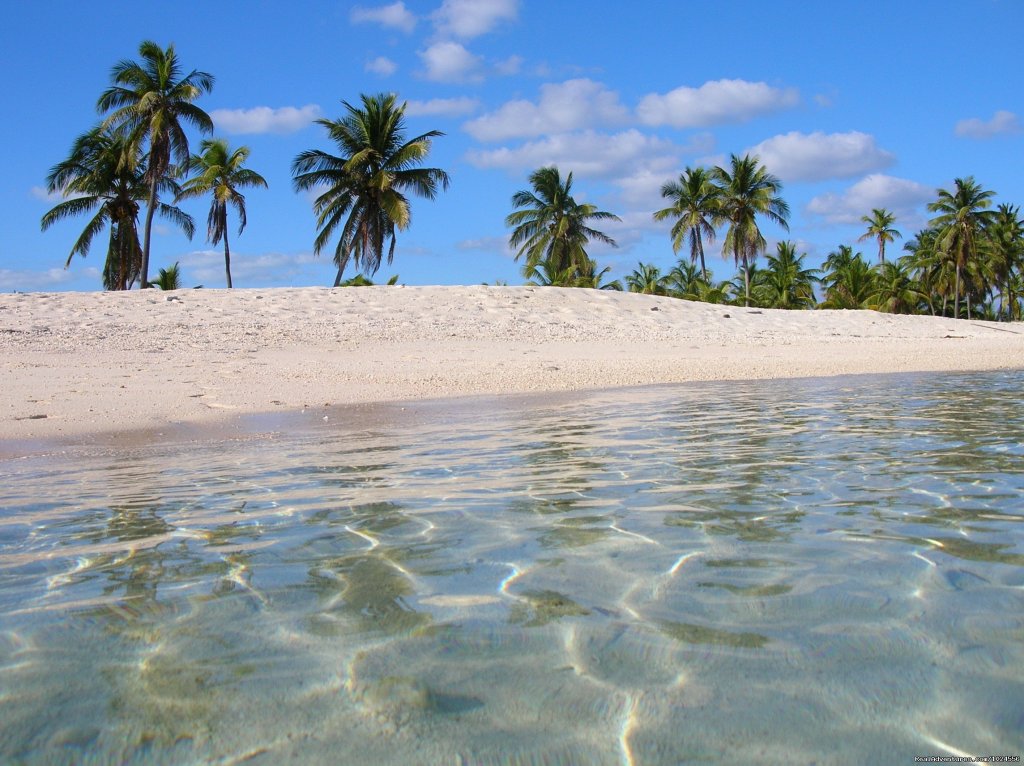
x,y
570,105
587,154
381,65
1002,123
446,107
902,197
26,280
264,119
206,267
714,103
509,66
395,16
450,62
471,18
816,156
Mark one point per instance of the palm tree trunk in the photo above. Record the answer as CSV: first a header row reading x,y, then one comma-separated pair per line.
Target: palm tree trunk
x,y
700,249
227,257
337,279
956,296
746,283
151,208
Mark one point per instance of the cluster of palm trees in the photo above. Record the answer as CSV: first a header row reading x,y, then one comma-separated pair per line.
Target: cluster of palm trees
x,y
140,151
969,261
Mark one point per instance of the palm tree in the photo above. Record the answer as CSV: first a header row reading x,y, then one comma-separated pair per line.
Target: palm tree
x,y
880,229
151,101
685,281
696,206
105,174
169,278
220,172
962,218
895,290
788,285
748,190
1006,252
552,227
848,280
647,279
362,191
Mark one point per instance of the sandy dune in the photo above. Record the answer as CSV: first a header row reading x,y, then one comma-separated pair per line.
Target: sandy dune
x,y
81,363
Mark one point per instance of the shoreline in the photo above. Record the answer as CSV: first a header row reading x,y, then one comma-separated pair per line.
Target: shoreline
x,y
83,364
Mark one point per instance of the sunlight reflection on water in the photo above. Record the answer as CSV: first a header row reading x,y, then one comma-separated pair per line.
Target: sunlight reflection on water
x,y
825,570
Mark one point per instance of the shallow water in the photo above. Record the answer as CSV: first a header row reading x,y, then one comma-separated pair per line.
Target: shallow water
x,y
825,571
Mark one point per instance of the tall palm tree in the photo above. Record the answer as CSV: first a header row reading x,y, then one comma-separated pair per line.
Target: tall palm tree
x,y
551,226
788,285
696,206
647,279
362,191
219,172
963,216
880,229
1006,252
152,102
932,272
748,190
104,173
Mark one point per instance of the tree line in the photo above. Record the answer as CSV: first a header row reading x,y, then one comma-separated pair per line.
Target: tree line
x,y
968,261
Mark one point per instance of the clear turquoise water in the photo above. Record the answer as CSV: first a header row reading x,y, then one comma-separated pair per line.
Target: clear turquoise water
x,y
823,571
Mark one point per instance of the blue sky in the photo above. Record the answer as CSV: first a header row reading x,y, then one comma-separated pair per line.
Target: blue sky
x,y
854,105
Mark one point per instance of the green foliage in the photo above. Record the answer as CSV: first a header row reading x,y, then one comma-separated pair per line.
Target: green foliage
x,y
360,280
105,174
748,190
169,279
219,172
647,279
880,229
787,284
363,190
551,231
150,102
697,208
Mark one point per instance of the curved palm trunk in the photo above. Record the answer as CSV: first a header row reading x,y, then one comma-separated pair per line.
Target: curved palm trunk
x,y
700,249
150,210
337,279
227,257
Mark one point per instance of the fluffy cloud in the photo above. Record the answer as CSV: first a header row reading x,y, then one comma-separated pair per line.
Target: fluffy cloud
x,y
717,102
381,65
450,62
1002,123
466,19
900,196
263,119
562,107
816,156
395,16
590,154
445,107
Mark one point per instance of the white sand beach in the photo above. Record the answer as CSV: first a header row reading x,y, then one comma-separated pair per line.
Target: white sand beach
x,y
75,364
